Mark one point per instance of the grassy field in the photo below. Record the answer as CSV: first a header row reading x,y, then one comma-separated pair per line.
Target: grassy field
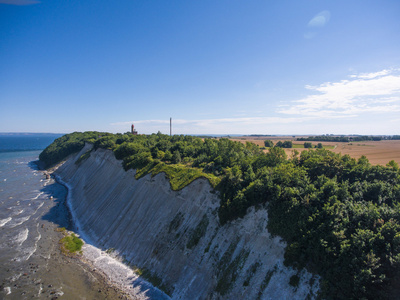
x,y
378,153
301,146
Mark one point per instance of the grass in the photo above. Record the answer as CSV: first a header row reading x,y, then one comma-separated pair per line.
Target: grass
x,y
83,157
301,146
70,244
179,175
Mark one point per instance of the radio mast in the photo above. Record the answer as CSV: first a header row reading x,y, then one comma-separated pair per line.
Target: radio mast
x,y
170,126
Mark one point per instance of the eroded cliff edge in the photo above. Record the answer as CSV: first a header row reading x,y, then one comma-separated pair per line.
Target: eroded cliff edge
x,y
176,234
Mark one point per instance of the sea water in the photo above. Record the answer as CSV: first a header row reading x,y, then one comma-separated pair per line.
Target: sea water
x,y
31,209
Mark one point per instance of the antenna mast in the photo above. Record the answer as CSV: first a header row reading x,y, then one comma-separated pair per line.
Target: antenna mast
x,y
170,126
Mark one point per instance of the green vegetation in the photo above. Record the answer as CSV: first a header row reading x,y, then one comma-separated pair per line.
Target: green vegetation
x,y
285,144
294,280
154,279
230,272
339,216
70,244
266,281
343,139
83,157
250,273
268,143
308,145
176,222
198,232
110,250
228,268
66,145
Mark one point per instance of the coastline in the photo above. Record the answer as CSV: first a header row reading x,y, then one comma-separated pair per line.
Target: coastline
x,y
114,275
32,263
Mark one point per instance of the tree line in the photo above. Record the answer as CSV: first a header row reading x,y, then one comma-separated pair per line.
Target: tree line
x,y
339,216
347,139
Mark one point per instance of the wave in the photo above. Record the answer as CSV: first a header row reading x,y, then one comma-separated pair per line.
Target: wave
x,y
22,220
19,221
29,251
35,198
22,236
5,221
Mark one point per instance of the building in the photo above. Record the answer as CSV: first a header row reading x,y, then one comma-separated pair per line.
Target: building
x,y
133,130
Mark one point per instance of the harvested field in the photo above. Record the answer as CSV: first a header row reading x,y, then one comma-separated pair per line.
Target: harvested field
x,y
378,153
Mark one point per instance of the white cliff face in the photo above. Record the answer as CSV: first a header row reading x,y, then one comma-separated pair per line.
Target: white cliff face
x,y
176,235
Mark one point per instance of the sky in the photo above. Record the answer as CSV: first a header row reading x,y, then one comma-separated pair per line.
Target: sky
x,y
214,66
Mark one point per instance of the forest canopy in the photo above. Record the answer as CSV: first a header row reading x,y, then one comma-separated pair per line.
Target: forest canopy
x,y
339,216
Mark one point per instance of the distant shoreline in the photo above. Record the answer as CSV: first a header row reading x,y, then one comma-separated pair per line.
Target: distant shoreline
x,y
30,133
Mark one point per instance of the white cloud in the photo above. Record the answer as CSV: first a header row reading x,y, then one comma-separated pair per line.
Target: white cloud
x,y
371,75
368,92
317,23
366,103
320,20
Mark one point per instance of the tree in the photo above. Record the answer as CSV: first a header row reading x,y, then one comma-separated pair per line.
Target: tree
x,y
167,156
287,144
275,156
268,143
393,165
176,157
307,145
319,146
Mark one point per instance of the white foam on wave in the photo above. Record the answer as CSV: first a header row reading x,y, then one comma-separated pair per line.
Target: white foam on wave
x,y
22,220
37,239
40,290
19,221
19,212
40,205
5,221
28,251
22,236
120,274
35,198
7,289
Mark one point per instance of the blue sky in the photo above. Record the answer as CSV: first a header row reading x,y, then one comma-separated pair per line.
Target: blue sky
x,y
214,66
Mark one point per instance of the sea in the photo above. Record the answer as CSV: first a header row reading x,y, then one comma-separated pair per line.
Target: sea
x,y
32,211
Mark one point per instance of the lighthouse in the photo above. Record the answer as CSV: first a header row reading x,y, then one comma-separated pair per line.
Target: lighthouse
x,y
133,131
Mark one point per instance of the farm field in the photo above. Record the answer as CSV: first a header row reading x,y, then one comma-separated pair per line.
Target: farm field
x,y
378,153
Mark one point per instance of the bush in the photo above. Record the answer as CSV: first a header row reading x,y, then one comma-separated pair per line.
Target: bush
x,y
307,145
268,143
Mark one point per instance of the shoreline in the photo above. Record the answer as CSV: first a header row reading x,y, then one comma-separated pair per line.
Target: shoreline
x,y
32,263
115,275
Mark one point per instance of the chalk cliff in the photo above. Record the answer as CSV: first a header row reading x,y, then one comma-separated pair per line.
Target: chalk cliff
x,y
175,235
